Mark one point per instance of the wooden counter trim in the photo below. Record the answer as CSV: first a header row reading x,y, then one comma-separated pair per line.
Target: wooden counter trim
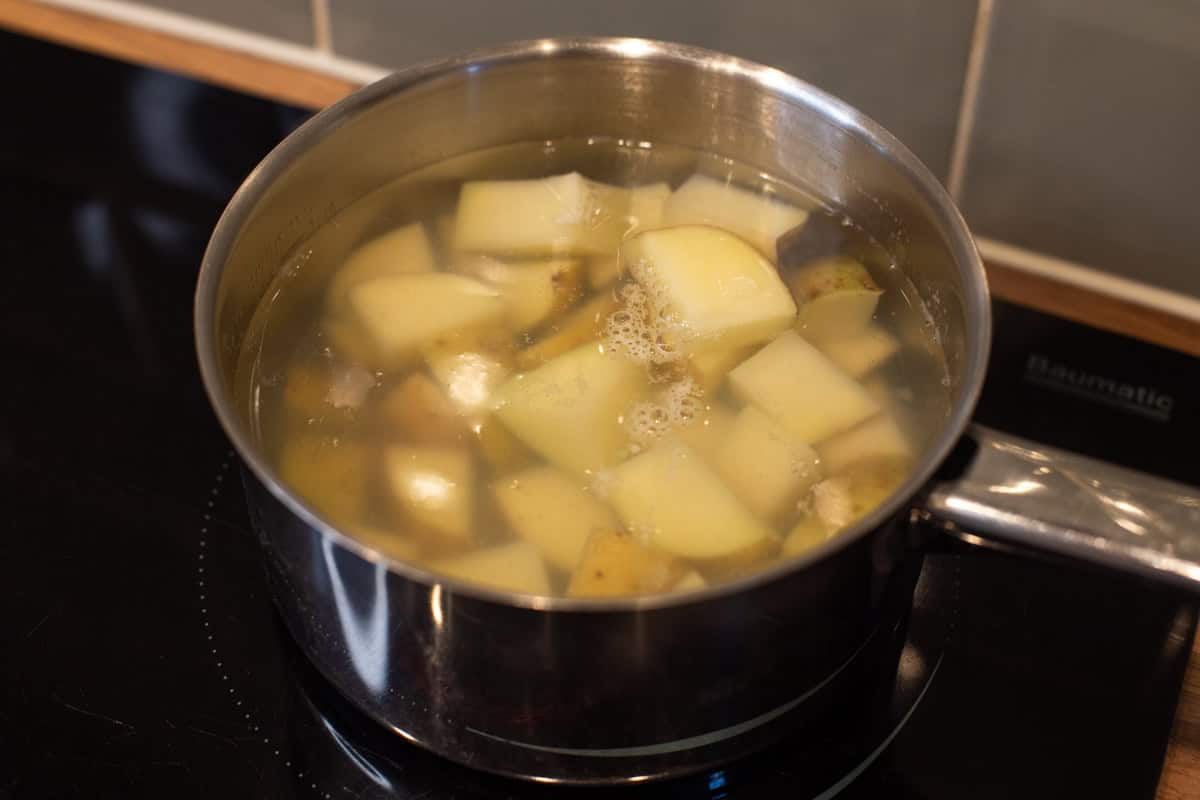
x,y
236,70
310,89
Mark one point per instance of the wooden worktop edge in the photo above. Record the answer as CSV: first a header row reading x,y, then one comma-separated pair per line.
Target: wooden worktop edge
x,y
309,89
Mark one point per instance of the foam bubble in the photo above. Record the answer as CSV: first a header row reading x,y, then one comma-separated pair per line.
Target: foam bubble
x,y
637,327
677,404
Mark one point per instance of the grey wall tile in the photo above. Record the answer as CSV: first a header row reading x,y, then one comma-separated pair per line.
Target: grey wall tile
x,y
1087,136
283,19
901,61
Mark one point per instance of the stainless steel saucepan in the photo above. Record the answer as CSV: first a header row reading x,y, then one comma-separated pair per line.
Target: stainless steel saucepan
x,y
578,690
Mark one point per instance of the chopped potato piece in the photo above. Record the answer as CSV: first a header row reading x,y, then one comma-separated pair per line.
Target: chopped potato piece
x,y
328,472
614,564
400,252
406,312
570,408
672,498
603,270
862,352
837,298
801,389
348,339
435,486
502,451
535,289
754,217
646,205
715,290
581,325
512,567
443,232
740,561
707,432
691,581
390,543
419,412
768,467
315,392
549,509
878,437
807,534
856,492
710,367
560,215
470,378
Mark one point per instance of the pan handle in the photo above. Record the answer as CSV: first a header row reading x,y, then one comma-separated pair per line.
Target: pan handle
x,y
1018,491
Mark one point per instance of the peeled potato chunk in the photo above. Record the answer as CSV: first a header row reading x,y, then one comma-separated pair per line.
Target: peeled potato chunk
x,y
570,408
837,298
550,510
403,313
614,564
316,392
801,389
403,251
768,467
535,289
844,498
469,377
715,290
603,270
710,367
580,325
862,352
646,205
690,581
560,215
807,534
669,496
754,217
502,451
878,437
513,567
328,472
707,432
434,486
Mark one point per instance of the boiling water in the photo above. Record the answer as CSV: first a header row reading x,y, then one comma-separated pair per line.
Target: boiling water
x,y
414,457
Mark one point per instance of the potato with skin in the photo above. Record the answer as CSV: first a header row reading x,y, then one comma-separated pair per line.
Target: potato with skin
x,y
435,488
569,409
753,216
404,313
615,564
402,251
536,290
836,297
416,410
713,289
551,510
678,504
327,472
766,465
513,567
559,215
801,389
581,325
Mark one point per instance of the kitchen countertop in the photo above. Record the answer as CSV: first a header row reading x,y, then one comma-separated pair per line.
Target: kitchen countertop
x,y
290,84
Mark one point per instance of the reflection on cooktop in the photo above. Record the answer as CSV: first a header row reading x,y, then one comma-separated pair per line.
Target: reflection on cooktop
x,y
139,652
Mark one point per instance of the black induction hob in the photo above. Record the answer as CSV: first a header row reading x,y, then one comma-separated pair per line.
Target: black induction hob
x,y
139,652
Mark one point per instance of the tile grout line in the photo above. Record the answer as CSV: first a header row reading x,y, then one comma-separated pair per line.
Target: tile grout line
x,y
322,27
225,36
964,129
1165,300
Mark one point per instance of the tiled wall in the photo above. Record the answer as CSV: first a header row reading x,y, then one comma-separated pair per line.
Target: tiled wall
x,y
1084,131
